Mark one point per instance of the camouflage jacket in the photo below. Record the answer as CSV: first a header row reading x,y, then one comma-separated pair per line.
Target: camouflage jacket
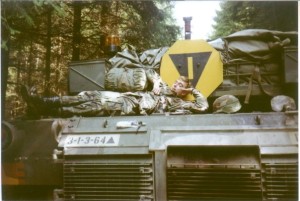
x,y
167,102
98,103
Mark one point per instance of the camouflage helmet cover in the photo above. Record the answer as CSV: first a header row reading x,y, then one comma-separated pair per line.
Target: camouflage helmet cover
x,y
226,104
282,103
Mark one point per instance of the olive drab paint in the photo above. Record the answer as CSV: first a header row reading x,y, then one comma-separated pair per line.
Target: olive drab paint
x,y
197,60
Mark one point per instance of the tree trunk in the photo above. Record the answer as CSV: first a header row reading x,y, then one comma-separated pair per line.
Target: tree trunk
x,y
28,65
104,15
76,30
48,52
4,67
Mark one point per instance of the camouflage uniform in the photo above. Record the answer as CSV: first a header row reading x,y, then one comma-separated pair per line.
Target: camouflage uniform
x,y
98,103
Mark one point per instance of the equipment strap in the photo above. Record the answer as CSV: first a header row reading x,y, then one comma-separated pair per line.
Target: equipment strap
x,y
257,76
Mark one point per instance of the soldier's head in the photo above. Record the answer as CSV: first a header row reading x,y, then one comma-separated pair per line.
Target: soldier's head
x,y
180,85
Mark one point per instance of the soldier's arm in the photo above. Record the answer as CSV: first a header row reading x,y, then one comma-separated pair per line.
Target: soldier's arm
x,y
155,79
201,103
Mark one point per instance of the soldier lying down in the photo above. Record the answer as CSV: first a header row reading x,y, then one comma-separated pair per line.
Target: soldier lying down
x,y
161,99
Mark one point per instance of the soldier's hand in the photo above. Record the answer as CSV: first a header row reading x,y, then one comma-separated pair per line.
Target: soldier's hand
x,y
187,90
156,88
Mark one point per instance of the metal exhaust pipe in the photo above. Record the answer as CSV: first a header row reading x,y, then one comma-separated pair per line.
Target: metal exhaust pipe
x,y
187,25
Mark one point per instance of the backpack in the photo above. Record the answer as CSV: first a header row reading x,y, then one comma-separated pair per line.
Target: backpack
x,y
127,70
126,79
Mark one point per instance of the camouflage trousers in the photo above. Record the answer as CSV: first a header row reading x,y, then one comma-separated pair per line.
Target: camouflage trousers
x,y
99,103
102,103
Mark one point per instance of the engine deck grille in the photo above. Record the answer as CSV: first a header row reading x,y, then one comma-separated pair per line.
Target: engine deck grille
x,y
280,181
102,180
213,173
214,182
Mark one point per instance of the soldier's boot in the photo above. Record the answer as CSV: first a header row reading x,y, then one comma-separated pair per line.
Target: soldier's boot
x,y
50,106
50,102
40,106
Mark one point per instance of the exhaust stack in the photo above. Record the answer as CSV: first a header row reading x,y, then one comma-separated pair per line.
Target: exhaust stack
x,y
187,22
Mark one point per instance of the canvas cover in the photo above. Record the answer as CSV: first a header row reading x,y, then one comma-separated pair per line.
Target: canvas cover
x,y
253,61
254,45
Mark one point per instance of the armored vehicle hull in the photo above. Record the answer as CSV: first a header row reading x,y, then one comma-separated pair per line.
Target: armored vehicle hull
x,y
251,156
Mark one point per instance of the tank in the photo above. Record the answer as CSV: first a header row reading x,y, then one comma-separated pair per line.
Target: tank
x,y
249,155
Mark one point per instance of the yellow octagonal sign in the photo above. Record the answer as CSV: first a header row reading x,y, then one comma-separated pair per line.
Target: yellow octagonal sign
x,y
197,60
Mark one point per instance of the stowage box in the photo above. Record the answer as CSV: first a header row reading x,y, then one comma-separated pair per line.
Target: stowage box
x,y
86,76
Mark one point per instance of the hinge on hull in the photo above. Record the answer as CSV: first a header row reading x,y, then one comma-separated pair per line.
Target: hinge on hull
x,y
57,156
58,195
291,118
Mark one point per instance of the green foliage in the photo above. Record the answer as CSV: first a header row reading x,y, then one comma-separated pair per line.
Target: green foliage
x,y
143,24
25,13
238,15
